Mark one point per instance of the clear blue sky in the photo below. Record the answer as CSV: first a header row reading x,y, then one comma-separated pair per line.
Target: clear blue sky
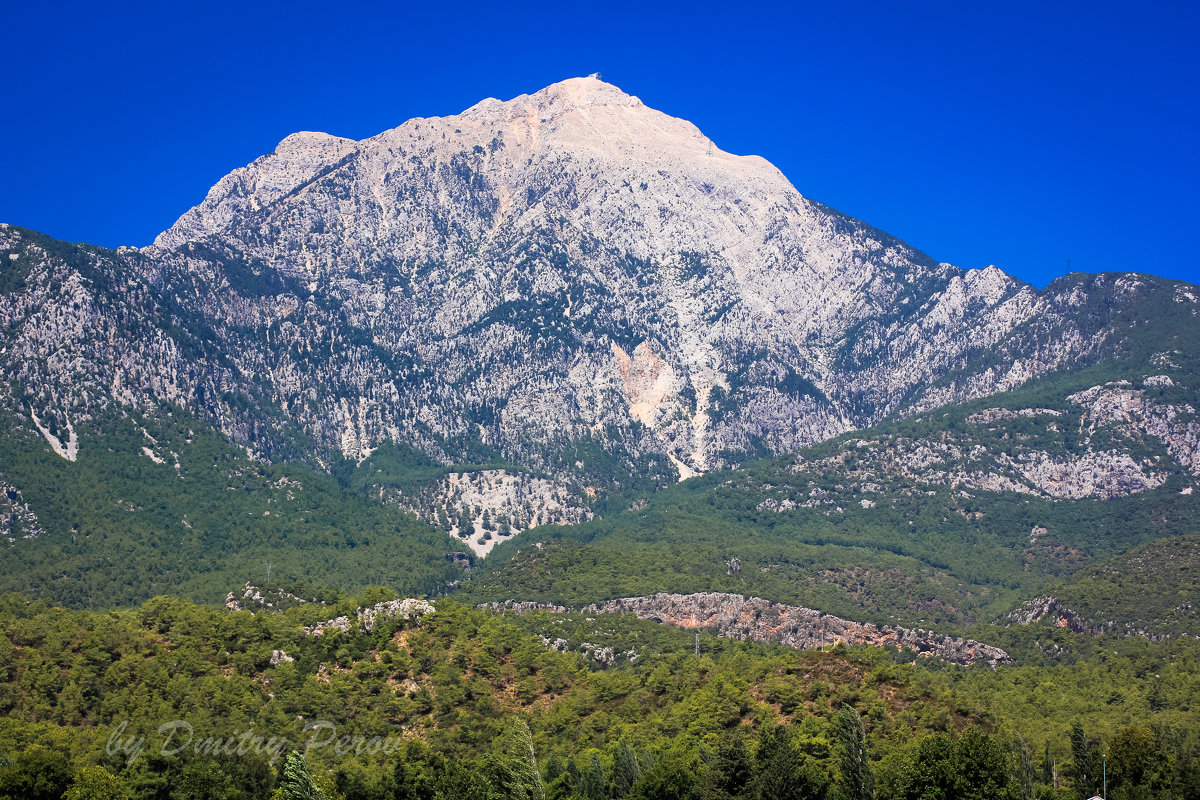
x,y
1017,134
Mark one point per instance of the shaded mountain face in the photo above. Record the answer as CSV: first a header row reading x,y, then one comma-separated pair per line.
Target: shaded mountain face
x,y
568,282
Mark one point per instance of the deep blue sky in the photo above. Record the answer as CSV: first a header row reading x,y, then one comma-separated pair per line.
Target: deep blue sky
x,y
1017,134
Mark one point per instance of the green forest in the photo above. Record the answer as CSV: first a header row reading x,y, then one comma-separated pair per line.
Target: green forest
x,y
161,503
178,701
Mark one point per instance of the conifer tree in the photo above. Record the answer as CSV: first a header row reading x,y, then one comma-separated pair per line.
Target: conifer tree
x,y
626,769
554,768
592,783
782,773
1049,773
857,778
1081,756
295,783
731,769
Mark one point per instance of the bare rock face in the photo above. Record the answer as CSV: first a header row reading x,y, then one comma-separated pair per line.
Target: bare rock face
x,y
280,657
568,280
1104,475
365,619
1128,409
524,607
1106,442
17,520
487,506
1040,608
753,618
254,598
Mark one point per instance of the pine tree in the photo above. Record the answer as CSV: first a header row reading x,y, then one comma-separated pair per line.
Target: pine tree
x,y
591,782
514,767
782,773
1049,773
573,775
857,777
1021,769
1081,756
626,770
554,768
731,769
295,783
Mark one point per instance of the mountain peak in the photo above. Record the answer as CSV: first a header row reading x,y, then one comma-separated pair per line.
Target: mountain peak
x,y
558,98
589,91
305,141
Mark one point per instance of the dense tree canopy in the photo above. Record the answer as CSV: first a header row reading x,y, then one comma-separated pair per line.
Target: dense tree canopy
x,y
466,704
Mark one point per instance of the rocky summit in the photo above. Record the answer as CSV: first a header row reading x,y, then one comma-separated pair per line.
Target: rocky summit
x,y
569,283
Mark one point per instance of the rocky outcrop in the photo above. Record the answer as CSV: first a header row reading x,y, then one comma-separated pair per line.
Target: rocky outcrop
x,y
1100,444
603,655
280,657
524,607
17,520
999,416
486,507
1050,610
739,617
1103,475
254,598
465,561
1040,608
1119,406
365,619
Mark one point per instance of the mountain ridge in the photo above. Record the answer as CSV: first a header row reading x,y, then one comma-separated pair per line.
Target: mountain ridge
x,y
705,290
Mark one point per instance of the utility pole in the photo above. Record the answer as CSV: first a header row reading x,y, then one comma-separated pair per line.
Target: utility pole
x,y
1104,770
268,572
697,644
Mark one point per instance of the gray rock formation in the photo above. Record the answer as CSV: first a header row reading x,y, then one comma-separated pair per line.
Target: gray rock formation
x,y
1110,441
365,619
17,520
753,618
487,506
1040,608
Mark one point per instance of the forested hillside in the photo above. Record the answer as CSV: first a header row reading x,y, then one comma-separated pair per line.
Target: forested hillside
x,y
1150,591
448,702
160,502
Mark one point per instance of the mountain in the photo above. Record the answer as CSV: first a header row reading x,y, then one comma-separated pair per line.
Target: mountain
x,y
574,263
536,311
318,401
943,520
